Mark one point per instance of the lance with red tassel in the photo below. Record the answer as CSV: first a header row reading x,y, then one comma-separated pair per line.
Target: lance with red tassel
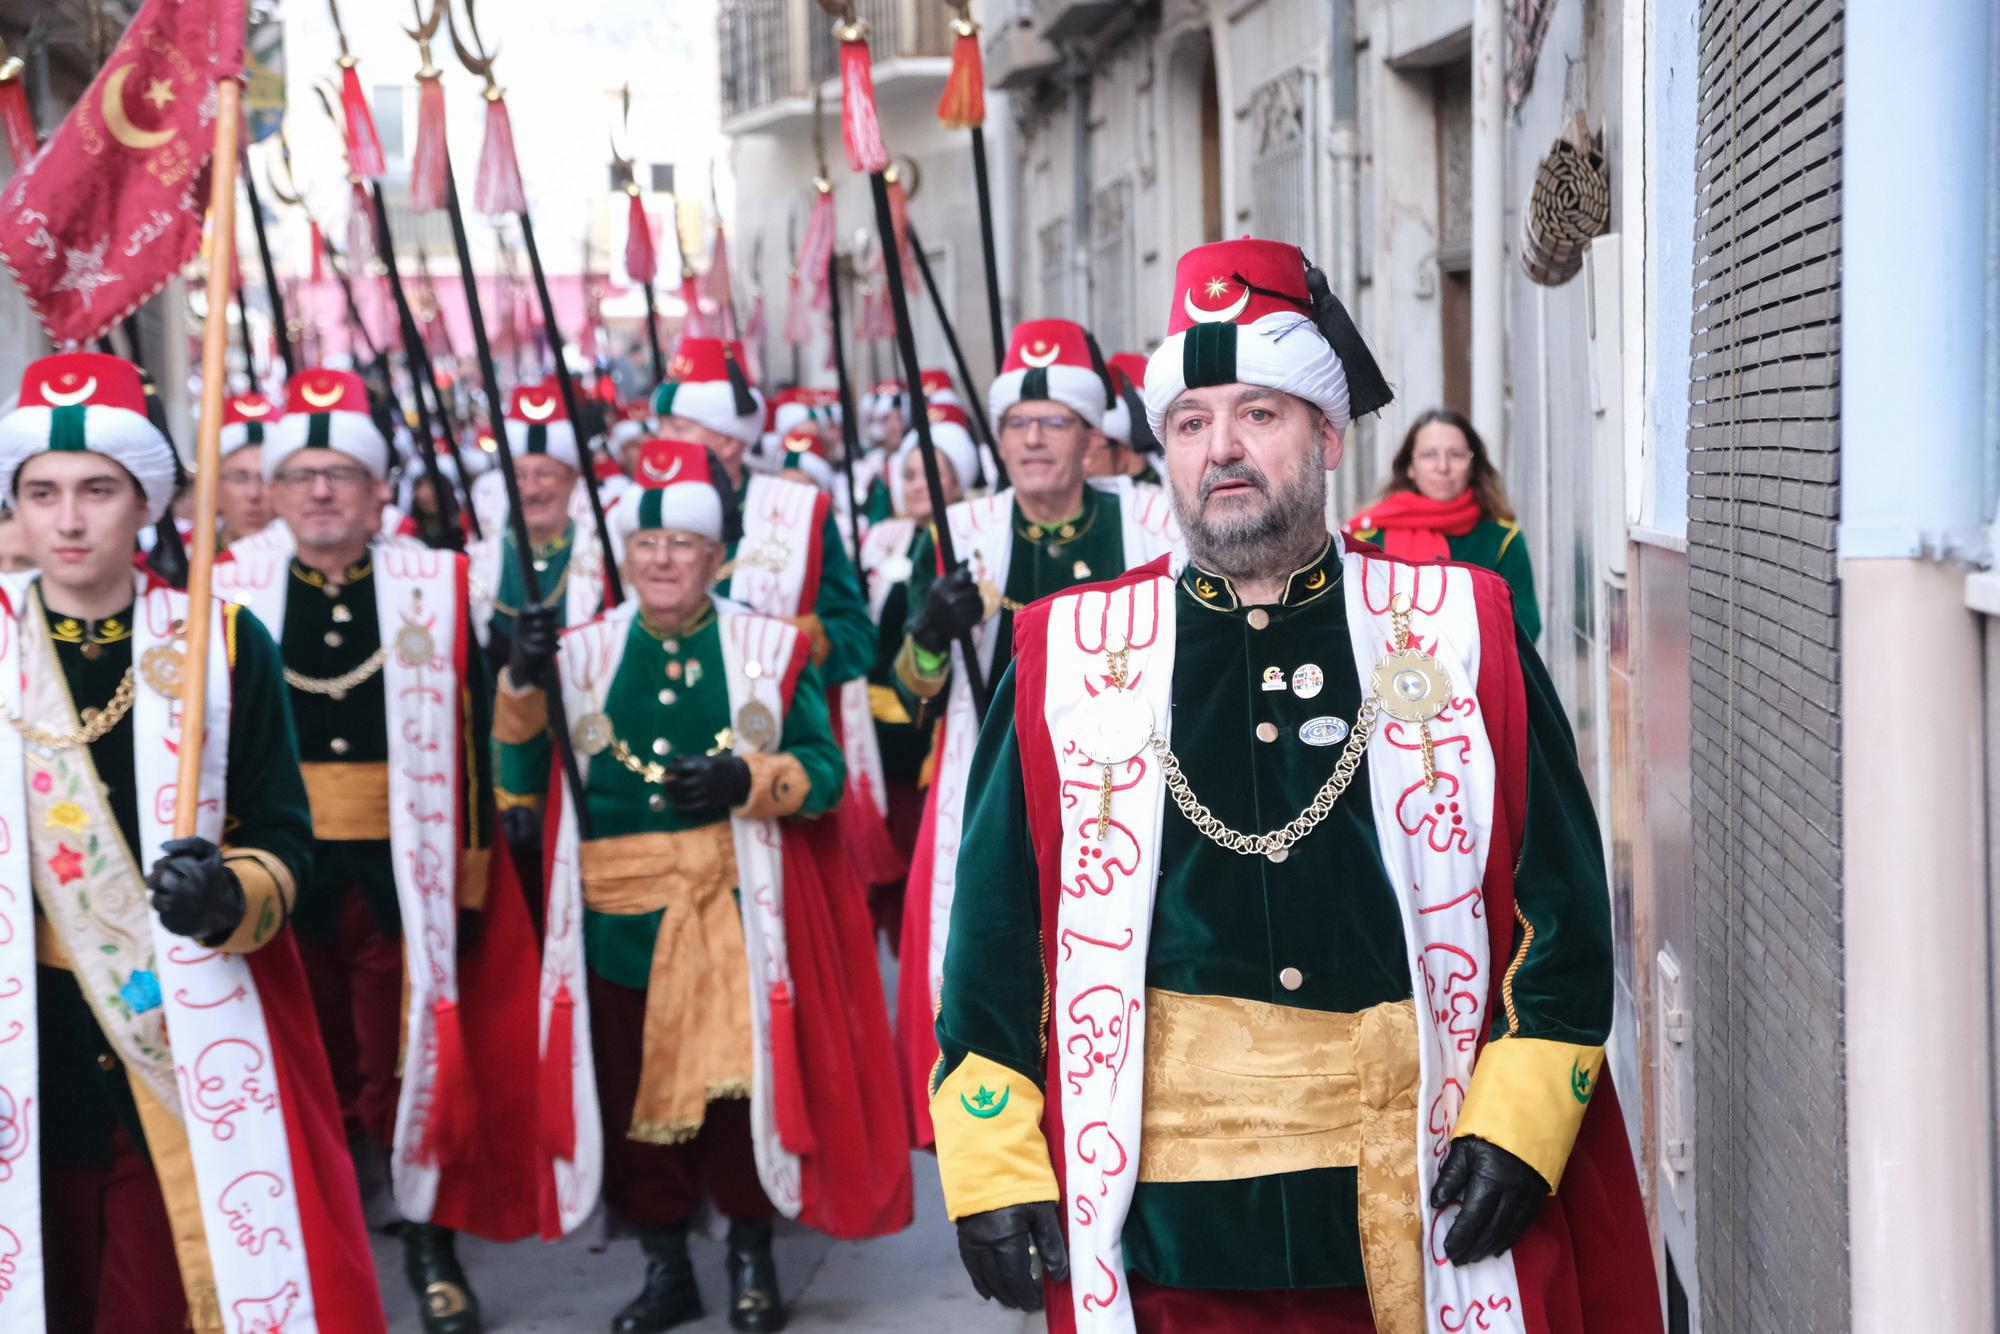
x,y
364,145
506,188
861,130
963,107
19,123
427,159
974,401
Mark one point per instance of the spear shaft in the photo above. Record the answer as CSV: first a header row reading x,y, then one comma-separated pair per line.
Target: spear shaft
x,y
850,433
442,494
973,400
284,329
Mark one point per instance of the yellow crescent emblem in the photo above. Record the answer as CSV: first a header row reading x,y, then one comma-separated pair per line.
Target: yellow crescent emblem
x,y
679,368
1040,354
319,398
112,103
70,400
1227,315
254,408
654,474
537,411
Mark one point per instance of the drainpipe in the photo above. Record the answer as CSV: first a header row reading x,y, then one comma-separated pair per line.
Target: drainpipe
x,y
1489,206
1081,294
1344,149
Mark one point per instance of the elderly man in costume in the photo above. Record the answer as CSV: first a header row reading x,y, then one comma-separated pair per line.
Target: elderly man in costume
x,y
174,1157
1051,530
391,698
713,1023
1304,818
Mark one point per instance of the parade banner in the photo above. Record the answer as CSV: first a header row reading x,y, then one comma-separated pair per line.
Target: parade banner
x,y
112,206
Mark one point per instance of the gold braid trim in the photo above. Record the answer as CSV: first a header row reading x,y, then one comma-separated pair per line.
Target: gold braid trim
x,y
659,1132
1507,982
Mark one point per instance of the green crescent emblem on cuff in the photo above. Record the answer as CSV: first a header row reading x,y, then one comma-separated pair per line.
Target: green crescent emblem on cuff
x,y
983,1104
1579,1082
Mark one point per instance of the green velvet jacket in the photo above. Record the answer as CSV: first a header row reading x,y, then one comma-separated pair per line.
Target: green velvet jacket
x,y
1497,545
83,1084
331,629
512,593
1226,925
842,610
1047,559
669,697
904,743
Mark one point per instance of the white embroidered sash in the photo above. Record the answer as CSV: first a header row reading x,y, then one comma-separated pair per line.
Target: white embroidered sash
x,y
982,532
1435,862
589,659
885,561
779,537
417,608
583,593
227,1096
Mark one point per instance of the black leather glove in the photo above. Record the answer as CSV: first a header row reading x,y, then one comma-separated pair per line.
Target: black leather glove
x,y
1501,1196
953,606
534,648
1006,1250
700,785
194,893
521,826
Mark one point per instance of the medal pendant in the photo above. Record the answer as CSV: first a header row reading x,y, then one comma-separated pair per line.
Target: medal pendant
x,y
1411,686
161,665
693,675
1112,727
756,726
414,646
591,734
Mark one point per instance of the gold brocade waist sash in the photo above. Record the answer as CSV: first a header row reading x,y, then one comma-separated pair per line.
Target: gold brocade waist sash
x,y
1239,1088
697,1044
350,802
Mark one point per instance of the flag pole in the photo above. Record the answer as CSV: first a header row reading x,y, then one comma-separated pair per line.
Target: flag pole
x,y
208,454
850,431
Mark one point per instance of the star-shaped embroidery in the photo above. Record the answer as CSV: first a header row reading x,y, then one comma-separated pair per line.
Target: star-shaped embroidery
x,y
1218,287
84,271
159,92
984,1097
67,864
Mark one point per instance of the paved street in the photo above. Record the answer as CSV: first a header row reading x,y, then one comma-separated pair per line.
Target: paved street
x,y
903,1284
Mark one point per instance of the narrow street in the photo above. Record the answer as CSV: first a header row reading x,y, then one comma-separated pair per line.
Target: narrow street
x,y
905,1284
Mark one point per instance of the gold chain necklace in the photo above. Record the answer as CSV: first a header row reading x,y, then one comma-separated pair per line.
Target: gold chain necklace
x,y
336,687
97,723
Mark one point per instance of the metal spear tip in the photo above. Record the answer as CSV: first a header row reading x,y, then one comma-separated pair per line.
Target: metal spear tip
x,y
479,59
426,27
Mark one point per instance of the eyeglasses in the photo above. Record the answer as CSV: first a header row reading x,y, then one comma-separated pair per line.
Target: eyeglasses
x,y
340,476
241,477
1053,423
676,546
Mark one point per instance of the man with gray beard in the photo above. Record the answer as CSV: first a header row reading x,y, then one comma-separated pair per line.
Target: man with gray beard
x,y
1280,967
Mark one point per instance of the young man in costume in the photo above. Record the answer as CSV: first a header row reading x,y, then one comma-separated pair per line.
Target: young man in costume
x,y
391,697
711,1013
1051,529
174,1152
1301,817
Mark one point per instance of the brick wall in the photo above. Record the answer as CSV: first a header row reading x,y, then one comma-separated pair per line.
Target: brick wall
x,y
1763,496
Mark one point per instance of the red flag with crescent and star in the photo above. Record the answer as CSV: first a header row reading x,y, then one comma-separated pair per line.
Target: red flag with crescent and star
x,y
112,206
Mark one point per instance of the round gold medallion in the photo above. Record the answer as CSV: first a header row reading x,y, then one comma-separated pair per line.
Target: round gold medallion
x,y
591,733
1112,726
414,646
756,726
161,666
1411,686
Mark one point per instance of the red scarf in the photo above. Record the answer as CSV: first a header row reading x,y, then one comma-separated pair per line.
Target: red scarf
x,y
1415,527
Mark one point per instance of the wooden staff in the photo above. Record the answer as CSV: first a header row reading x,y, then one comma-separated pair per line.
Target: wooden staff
x,y
208,456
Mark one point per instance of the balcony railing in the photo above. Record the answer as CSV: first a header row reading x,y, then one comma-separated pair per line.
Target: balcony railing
x,y
771,50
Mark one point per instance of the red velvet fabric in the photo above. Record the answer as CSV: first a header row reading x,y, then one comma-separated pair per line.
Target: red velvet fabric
x,y
357,990
108,1249
1158,1310
916,1013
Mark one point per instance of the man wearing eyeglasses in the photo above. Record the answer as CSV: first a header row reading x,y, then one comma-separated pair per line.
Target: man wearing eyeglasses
x,y
1051,530
713,1024
391,699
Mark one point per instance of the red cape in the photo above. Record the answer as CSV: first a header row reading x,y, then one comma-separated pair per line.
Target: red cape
x,y
1589,1250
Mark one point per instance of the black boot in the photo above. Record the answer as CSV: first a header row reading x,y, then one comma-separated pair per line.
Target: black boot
x,y
754,1303
430,1258
670,1297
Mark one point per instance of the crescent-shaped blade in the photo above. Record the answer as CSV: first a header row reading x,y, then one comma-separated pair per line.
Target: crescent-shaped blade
x,y
482,65
426,27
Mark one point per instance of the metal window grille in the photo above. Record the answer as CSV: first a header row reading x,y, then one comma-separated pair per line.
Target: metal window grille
x,y
1282,131
1052,256
1111,246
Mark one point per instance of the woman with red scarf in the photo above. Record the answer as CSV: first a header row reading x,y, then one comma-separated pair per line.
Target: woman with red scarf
x,y
1444,501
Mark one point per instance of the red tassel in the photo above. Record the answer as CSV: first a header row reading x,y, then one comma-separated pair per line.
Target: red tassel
x,y
497,189
557,1110
696,324
860,127
364,146
17,120
717,287
449,1135
427,162
788,1085
817,248
753,340
640,260
963,105
899,219
360,229
318,251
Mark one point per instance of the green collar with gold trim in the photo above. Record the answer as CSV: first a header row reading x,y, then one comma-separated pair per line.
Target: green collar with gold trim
x,y
1308,583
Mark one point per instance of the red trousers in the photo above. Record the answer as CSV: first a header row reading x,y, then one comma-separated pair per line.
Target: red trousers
x,y
1158,1310
110,1260
357,990
661,1185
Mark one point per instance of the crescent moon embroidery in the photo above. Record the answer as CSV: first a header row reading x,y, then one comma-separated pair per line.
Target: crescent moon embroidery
x,y
254,409
1034,356
323,398
537,412
1227,315
987,1108
56,400
654,474
112,103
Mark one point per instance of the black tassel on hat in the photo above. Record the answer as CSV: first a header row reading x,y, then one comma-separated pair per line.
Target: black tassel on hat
x,y
1103,372
168,559
1143,439
1367,391
739,384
